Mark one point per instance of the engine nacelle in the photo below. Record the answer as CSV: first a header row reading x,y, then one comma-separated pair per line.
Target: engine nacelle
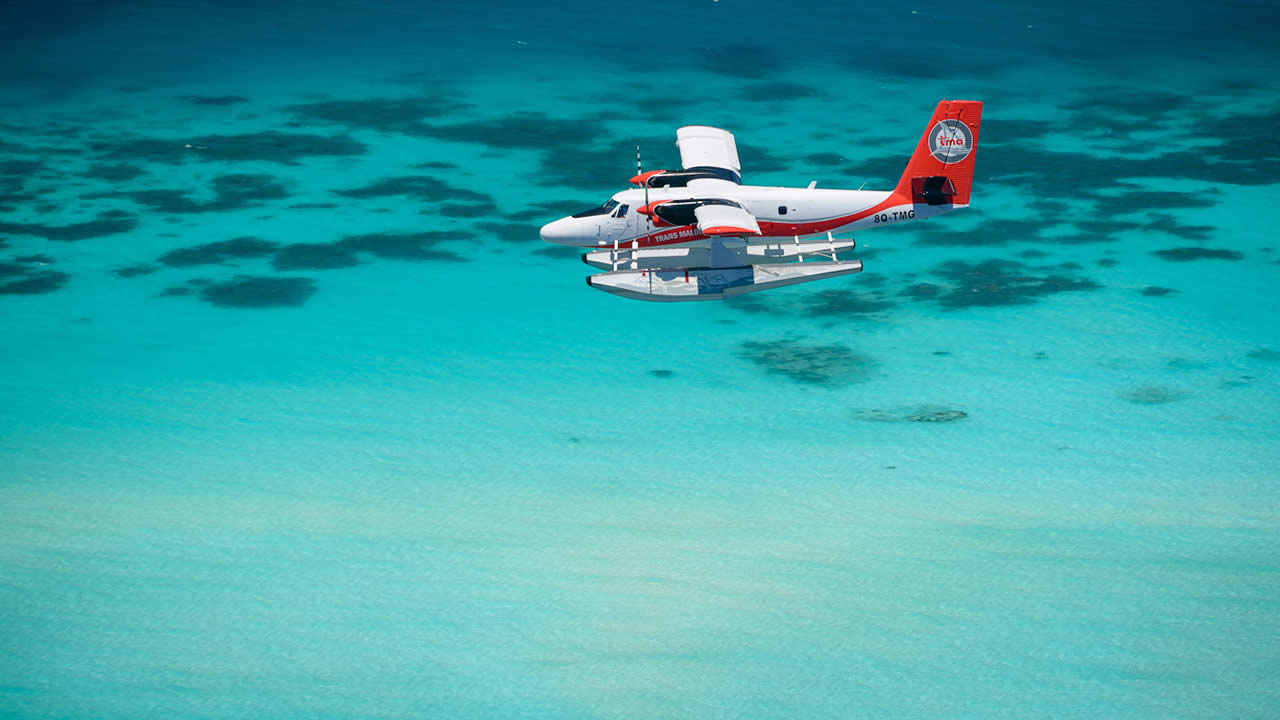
x,y
681,178
643,178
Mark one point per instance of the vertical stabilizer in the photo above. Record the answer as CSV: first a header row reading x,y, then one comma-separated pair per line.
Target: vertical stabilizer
x,y
941,169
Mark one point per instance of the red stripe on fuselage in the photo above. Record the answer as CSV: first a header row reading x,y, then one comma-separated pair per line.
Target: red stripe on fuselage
x,y
690,233
674,236
785,229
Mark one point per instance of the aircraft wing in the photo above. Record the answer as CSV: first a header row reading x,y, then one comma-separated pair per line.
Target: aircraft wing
x,y
702,146
725,220
712,187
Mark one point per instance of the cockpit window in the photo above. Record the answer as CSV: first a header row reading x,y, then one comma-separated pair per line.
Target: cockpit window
x,y
621,212
602,210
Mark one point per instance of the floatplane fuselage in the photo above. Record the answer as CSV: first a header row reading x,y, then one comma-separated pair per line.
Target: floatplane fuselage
x,y
700,234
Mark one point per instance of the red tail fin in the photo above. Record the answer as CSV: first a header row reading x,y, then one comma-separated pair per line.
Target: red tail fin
x,y
941,170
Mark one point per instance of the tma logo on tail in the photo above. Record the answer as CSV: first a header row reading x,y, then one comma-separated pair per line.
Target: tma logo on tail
x,y
950,141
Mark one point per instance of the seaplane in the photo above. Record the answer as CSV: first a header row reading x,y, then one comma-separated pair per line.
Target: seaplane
x,y
699,233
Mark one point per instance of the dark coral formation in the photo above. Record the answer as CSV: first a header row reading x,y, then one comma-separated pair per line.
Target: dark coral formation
x,y
921,291
269,146
107,223
25,276
523,130
314,256
1237,382
760,159
827,365
510,232
419,246
910,61
36,283
215,100
1152,395
739,60
406,116
259,292
553,209
117,172
231,192
831,304
1187,254
12,269
14,172
596,169
992,232
993,283
214,253
558,252
778,90
1166,223
419,187
823,159
1130,198
844,302
916,414
487,208
129,271
1264,354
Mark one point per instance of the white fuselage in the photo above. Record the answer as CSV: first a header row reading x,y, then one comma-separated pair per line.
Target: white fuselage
x,y
781,212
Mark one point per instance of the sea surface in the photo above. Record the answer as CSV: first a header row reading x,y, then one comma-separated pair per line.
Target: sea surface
x,y
299,418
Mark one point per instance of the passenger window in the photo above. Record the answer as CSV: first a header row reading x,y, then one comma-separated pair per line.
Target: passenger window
x,y
782,209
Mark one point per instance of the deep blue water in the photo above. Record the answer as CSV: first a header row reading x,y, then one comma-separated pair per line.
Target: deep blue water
x,y
299,418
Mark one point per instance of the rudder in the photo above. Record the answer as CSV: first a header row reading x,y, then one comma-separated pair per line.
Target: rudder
x,y
941,169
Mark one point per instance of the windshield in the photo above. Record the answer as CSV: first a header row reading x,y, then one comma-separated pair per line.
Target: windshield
x,y
602,210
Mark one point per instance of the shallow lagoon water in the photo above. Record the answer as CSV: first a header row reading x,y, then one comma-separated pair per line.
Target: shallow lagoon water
x,y
304,419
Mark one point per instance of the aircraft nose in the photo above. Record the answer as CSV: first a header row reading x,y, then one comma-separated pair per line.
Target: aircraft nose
x,y
554,231
560,232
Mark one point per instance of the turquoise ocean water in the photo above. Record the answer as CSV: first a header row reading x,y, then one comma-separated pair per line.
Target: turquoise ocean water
x,y
299,417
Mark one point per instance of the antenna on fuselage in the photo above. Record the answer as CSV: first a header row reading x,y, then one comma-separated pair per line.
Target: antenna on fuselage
x,y
645,182
635,243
